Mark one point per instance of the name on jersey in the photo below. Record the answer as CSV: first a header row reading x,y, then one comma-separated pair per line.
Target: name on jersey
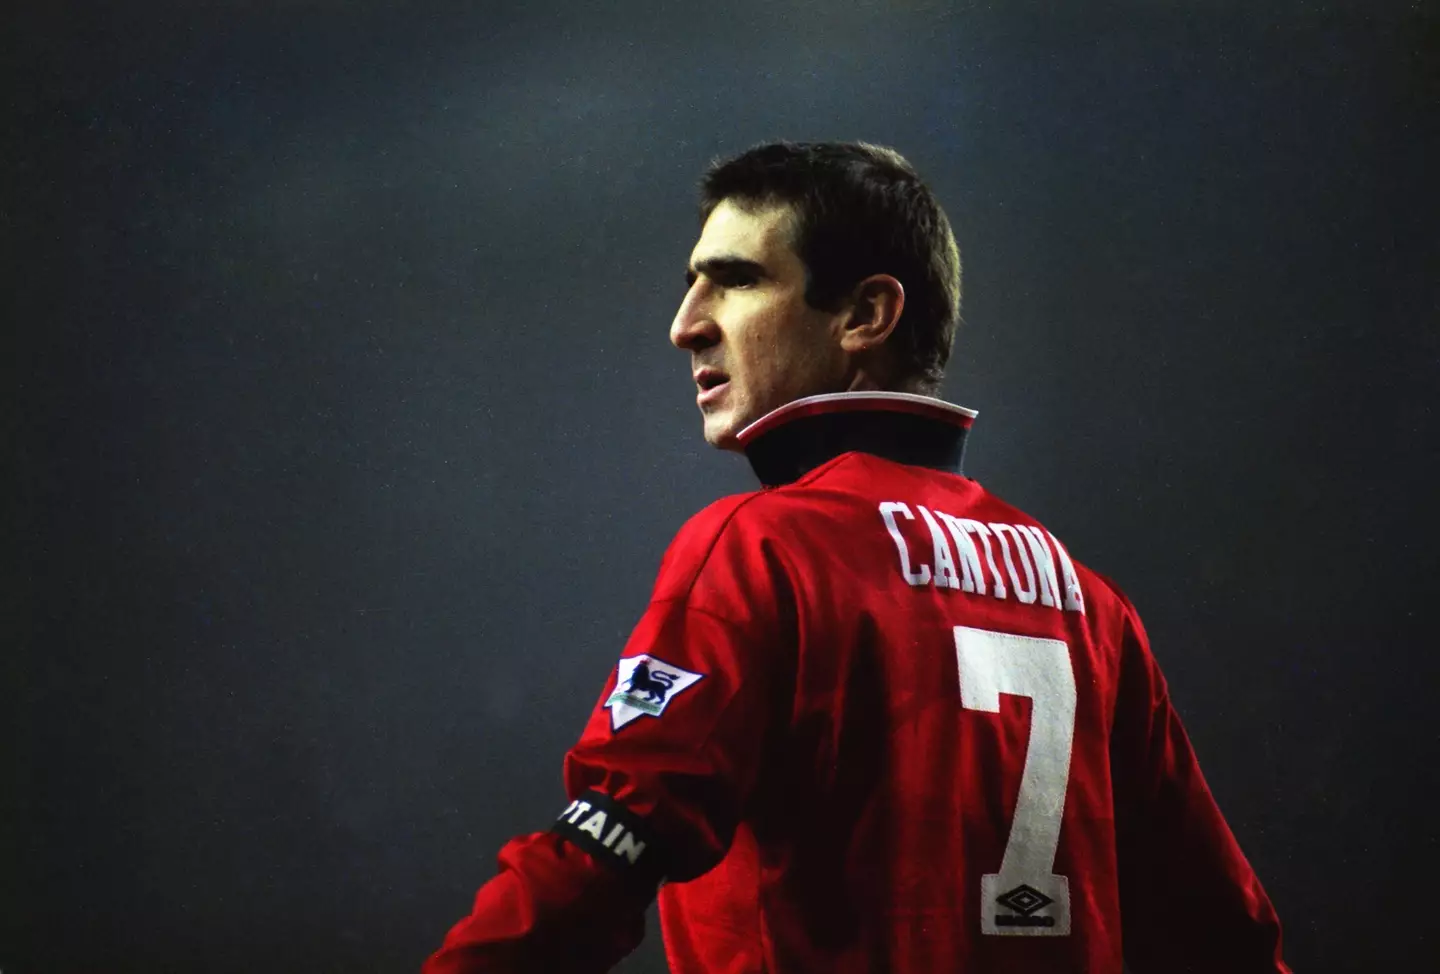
x,y
1004,561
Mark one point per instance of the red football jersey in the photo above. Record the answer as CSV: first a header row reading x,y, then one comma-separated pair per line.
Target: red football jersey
x,y
876,719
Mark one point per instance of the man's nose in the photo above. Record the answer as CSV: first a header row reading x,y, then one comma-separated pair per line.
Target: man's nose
x,y
693,327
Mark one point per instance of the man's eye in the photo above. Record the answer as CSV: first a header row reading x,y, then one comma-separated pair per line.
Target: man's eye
x,y
727,281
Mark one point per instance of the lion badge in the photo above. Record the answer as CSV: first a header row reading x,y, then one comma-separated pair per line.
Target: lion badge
x,y
644,686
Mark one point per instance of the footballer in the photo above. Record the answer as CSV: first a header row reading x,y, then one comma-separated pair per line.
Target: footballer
x,y
873,718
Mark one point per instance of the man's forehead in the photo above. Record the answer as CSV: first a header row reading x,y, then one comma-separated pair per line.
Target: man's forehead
x,y
757,231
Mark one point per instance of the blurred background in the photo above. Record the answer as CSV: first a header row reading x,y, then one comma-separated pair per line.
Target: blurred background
x,y
342,437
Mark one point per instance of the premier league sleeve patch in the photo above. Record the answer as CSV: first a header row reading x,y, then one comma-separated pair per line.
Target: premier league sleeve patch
x,y
644,687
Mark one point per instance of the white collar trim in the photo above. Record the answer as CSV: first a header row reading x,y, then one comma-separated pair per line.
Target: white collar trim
x,y
834,402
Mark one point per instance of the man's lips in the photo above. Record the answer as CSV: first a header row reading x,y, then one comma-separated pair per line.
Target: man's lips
x,y
712,384
709,395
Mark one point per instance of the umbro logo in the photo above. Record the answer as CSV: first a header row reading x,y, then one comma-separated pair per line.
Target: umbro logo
x,y
1025,901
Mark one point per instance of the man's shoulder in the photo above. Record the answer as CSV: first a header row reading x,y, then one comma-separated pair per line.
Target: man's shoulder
x,y
746,531
754,514
726,555
697,541
1000,510
712,520
1104,596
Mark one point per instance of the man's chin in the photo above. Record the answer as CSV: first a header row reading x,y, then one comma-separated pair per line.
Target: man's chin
x,y
720,433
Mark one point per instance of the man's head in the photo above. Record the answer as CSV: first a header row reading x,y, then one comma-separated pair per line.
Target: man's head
x,y
821,267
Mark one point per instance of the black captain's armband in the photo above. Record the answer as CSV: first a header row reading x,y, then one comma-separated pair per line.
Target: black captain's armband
x,y
614,835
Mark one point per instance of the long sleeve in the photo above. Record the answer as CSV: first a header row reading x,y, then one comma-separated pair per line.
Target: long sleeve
x,y
552,907
660,775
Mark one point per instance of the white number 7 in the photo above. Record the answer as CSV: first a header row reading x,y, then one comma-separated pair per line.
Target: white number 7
x,y
1025,898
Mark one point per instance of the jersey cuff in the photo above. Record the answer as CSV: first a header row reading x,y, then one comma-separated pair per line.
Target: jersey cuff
x,y
613,835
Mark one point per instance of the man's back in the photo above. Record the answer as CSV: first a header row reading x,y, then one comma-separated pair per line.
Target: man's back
x,y
895,792
946,797
873,719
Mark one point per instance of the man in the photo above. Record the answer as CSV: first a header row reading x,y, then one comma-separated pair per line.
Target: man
x,y
874,718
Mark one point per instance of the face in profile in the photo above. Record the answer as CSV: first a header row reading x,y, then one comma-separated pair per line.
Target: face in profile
x,y
754,343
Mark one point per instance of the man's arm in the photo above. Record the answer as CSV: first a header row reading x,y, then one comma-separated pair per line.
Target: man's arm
x,y
658,779
1189,898
552,907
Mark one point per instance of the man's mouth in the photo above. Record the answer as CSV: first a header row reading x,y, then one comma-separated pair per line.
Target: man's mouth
x,y
712,383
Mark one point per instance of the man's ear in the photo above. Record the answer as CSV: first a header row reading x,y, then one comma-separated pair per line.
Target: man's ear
x,y
875,307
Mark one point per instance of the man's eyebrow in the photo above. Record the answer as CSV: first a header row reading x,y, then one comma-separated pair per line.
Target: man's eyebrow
x,y
724,266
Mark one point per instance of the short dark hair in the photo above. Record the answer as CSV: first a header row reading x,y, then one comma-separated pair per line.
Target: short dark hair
x,y
860,209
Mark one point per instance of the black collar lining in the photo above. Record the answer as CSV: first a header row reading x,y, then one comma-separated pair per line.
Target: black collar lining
x,y
785,452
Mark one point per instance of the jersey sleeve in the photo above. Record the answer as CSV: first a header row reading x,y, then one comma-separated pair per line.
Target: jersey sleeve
x,y
1190,900
661,774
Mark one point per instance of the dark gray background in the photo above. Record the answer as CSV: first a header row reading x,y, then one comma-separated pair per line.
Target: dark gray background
x,y
342,435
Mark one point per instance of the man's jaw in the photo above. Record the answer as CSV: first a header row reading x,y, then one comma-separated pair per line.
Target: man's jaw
x,y
720,433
